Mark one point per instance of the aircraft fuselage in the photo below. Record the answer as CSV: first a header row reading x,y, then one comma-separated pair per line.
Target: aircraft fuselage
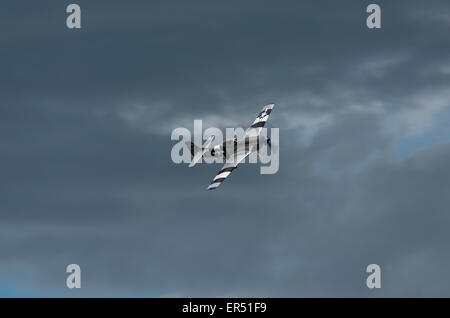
x,y
233,146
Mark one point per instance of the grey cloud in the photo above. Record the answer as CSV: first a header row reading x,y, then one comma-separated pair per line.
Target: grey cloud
x,y
85,148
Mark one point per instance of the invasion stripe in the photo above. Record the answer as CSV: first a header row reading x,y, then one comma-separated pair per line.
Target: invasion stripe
x,y
264,118
259,124
218,180
222,175
227,169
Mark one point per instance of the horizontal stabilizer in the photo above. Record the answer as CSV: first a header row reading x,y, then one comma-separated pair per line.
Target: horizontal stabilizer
x,y
200,152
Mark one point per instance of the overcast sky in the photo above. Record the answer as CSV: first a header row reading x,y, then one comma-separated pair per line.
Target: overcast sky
x,y
87,178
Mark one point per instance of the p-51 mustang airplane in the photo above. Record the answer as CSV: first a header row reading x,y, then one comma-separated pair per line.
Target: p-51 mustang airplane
x,y
234,151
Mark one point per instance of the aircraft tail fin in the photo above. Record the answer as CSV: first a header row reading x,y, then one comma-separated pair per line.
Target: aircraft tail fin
x,y
193,147
198,152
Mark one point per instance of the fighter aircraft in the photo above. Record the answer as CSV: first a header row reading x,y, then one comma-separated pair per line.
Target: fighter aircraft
x,y
233,151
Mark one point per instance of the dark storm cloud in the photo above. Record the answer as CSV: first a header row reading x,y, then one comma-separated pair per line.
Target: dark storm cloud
x,y
85,125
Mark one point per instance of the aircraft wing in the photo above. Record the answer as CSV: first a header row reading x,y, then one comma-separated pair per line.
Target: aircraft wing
x,y
227,168
260,121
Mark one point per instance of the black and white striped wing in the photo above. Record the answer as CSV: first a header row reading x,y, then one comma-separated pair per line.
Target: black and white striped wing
x,y
227,168
260,121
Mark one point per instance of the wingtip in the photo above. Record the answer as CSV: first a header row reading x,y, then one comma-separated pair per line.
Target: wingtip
x,y
213,185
